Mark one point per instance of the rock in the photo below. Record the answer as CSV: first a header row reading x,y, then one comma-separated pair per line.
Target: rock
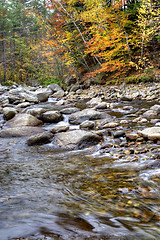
x,y
42,97
123,122
55,88
87,114
20,131
79,91
150,114
58,94
111,125
58,129
23,105
102,105
131,136
24,120
52,117
152,133
39,139
119,134
126,98
36,112
87,125
77,139
22,94
156,108
9,112
94,101
69,110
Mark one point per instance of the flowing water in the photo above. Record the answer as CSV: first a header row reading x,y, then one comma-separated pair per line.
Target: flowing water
x,y
88,194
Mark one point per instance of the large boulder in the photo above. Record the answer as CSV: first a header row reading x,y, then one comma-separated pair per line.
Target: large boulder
x,y
87,114
24,120
9,112
52,116
21,94
150,114
20,131
156,108
152,133
40,139
77,139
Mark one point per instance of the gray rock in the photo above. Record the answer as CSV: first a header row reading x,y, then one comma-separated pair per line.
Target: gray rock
x,y
87,114
9,113
20,131
77,139
102,105
42,97
126,98
152,133
58,129
94,101
156,108
36,112
55,88
69,110
58,94
22,94
150,114
40,139
111,125
131,136
119,134
24,120
87,125
23,105
52,116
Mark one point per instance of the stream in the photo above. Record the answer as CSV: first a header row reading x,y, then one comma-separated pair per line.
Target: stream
x,y
90,194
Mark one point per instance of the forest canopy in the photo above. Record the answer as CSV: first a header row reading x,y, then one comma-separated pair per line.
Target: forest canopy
x,y
45,41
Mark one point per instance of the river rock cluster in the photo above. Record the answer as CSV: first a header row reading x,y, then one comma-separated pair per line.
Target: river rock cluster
x,y
24,113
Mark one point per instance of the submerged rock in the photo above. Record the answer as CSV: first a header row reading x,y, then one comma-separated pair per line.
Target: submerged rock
x,y
77,139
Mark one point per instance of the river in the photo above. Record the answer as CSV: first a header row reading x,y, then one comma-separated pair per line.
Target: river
x,y
86,194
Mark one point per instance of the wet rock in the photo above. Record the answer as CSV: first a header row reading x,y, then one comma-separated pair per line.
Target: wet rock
x,y
87,114
36,112
123,122
87,125
77,139
9,113
55,88
52,117
24,120
40,139
119,134
69,110
42,97
20,131
58,129
22,94
152,133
